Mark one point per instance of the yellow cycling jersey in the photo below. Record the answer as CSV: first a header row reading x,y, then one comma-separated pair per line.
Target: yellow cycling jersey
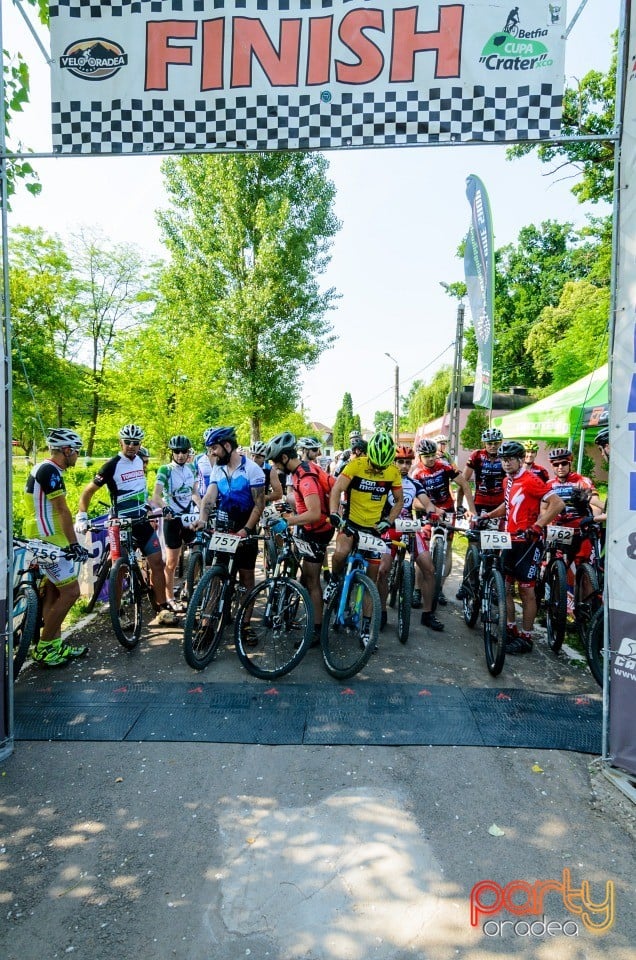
x,y
368,490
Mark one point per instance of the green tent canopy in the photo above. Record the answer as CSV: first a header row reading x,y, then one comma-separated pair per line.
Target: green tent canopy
x,y
562,415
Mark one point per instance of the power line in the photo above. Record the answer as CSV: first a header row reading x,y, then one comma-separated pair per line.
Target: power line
x,y
408,379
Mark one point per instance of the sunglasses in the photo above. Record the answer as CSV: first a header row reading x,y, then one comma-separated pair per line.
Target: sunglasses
x,y
132,443
403,460
560,463
181,451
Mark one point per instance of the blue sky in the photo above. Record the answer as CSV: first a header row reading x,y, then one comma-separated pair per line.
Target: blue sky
x,y
404,213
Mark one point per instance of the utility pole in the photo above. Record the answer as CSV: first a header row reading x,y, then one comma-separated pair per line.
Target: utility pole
x,y
456,387
396,401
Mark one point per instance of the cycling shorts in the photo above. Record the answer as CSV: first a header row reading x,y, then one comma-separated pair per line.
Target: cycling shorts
x,y
174,533
521,562
317,541
246,555
145,538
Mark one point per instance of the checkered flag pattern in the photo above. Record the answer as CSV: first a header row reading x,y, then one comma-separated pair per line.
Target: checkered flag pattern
x,y
305,122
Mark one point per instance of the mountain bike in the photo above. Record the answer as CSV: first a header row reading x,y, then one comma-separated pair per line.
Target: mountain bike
x,y
401,579
215,601
273,629
351,615
485,590
129,580
551,588
588,587
595,645
30,560
441,524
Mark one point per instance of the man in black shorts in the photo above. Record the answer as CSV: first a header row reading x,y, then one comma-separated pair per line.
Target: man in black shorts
x,y
124,477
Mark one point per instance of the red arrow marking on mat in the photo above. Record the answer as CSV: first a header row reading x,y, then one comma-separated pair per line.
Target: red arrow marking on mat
x,y
503,696
272,692
120,690
196,690
425,693
582,701
347,692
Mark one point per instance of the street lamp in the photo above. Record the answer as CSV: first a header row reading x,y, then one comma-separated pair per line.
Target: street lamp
x,y
396,400
456,383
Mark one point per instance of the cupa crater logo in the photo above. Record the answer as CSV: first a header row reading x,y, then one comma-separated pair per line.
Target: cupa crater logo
x,y
94,59
516,48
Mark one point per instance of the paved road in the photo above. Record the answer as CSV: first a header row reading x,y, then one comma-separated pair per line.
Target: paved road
x,y
323,853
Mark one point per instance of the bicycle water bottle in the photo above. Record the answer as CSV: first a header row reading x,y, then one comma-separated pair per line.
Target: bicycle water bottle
x,y
114,539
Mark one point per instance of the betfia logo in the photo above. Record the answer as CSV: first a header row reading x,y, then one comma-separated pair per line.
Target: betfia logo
x,y
94,59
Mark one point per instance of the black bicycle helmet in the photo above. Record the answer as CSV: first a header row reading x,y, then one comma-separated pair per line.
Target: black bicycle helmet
x,y
132,431
220,435
560,453
381,449
492,435
602,437
179,443
144,453
60,437
511,448
280,444
427,448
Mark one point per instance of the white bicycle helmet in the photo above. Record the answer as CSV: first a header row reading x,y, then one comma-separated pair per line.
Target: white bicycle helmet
x,y
131,431
60,437
492,435
258,448
308,443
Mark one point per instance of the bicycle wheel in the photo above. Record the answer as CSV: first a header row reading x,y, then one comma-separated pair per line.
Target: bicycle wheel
x,y
495,621
124,601
205,618
195,572
394,580
587,597
470,584
345,649
405,595
556,604
438,555
103,574
25,619
594,645
273,629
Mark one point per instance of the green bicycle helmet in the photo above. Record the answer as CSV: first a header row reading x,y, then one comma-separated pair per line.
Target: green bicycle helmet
x,y
531,446
381,449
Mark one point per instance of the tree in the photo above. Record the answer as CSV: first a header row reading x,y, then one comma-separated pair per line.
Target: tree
x,y
383,420
116,292
346,421
476,422
248,236
588,110
426,402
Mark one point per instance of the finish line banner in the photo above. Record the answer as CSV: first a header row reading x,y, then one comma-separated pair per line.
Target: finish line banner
x,y
137,76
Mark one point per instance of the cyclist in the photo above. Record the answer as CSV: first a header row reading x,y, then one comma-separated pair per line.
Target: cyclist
x,y
273,488
442,442
203,464
413,493
48,518
123,475
532,448
581,501
603,443
366,482
311,486
436,476
485,465
144,455
529,506
237,489
309,448
174,488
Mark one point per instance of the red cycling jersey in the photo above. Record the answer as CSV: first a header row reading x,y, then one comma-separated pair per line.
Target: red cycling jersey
x,y
523,494
489,478
539,471
567,488
436,481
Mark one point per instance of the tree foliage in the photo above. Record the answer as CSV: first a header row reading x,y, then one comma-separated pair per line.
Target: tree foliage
x,y
588,110
476,422
383,420
426,402
346,421
248,236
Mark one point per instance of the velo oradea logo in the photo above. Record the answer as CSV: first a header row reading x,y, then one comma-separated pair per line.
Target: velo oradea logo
x,y
94,59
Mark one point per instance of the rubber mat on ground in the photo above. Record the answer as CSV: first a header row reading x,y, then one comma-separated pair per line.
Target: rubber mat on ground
x,y
354,713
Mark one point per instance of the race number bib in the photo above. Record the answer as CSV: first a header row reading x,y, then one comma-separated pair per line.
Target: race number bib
x,y
225,542
371,544
303,548
407,525
560,534
495,540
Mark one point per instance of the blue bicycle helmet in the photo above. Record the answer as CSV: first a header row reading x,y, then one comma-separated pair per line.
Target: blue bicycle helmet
x,y
220,435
